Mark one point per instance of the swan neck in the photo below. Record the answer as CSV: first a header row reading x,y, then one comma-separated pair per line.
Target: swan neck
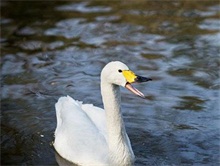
x,y
118,142
112,101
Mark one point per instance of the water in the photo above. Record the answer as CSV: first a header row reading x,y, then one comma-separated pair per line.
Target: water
x,y
50,49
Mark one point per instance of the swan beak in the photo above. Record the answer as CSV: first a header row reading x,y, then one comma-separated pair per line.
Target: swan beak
x,y
131,77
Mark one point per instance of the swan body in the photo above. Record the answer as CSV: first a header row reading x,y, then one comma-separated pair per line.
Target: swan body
x,y
92,136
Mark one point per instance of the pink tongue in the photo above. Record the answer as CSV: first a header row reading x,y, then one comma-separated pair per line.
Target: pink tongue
x,y
134,90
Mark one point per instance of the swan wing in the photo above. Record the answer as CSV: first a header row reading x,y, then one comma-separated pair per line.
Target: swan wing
x,y
97,116
80,135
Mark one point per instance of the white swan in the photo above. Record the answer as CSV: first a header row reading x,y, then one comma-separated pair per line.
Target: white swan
x,y
88,135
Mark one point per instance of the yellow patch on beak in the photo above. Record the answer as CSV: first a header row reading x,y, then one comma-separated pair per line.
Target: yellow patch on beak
x,y
129,76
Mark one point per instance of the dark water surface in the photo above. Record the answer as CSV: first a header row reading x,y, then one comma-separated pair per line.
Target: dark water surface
x,y
55,48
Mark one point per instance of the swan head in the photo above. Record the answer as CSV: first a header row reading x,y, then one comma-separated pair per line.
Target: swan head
x,y
119,74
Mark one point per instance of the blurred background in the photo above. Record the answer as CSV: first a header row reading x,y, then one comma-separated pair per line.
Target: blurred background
x,y
55,48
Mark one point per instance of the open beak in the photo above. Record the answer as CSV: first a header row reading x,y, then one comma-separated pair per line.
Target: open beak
x,y
134,90
132,78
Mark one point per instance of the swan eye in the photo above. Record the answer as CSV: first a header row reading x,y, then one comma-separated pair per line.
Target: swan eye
x,y
119,70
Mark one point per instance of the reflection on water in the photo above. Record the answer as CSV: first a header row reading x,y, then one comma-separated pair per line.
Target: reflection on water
x,y
62,162
50,49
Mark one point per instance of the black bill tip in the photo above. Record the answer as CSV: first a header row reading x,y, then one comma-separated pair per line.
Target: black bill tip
x,y
140,79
